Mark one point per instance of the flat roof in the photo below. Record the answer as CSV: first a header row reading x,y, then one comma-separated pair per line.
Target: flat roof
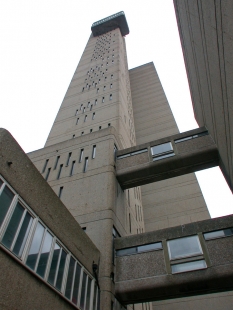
x,y
109,23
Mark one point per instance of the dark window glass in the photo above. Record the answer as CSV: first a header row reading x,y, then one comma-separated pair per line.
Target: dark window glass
x,y
53,266
82,300
5,202
87,305
59,172
61,270
60,191
1,182
70,278
35,246
76,284
13,225
44,254
23,234
57,160
45,165
47,174
68,159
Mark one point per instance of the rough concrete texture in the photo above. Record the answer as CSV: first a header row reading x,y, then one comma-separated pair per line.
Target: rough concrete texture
x,y
205,29
173,201
193,155
23,176
143,276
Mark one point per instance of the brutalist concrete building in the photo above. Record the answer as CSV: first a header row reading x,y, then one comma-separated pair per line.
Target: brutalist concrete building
x,y
109,214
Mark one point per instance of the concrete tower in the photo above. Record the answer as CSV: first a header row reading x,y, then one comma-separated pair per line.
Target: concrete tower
x,y
96,118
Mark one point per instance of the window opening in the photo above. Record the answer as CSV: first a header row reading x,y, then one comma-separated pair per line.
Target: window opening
x,y
68,159
47,175
93,115
72,168
45,165
56,162
99,127
81,155
77,121
102,99
85,164
76,113
60,191
110,97
85,118
59,172
93,151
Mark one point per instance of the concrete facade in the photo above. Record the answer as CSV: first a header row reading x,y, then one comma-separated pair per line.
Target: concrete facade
x,y
173,201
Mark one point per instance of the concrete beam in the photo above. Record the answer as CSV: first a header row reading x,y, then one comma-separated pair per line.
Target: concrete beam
x,y
166,158
148,275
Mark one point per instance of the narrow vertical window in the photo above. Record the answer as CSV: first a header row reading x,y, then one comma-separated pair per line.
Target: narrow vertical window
x,y
59,172
72,168
104,87
85,118
95,101
103,100
85,164
82,133
81,106
76,113
83,89
111,76
100,127
91,107
77,121
93,151
110,97
110,85
73,136
68,159
56,162
84,109
45,165
90,130
97,90
47,174
81,155
129,223
60,191
88,104
109,124
93,115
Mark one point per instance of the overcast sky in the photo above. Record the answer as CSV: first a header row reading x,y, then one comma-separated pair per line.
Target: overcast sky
x,y
41,43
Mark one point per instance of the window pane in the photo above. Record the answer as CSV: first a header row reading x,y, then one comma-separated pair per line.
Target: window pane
x,y
150,247
61,270
162,148
53,266
35,246
94,297
218,234
23,234
199,264
13,225
128,251
87,306
184,247
82,301
5,202
70,278
44,254
76,284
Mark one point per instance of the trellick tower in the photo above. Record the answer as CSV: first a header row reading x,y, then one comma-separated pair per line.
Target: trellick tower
x,y
95,119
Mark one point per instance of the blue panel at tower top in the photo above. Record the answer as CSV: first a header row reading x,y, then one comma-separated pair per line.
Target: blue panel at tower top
x,y
109,23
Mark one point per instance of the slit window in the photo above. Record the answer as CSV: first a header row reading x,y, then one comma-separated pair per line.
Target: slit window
x,y
76,113
110,97
59,172
68,159
72,168
81,155
77,121
93,115
85,118
102,99
45,165
85,164
82,133
95,101
56,162
60,191
100,127
93,151
110,85
47,174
